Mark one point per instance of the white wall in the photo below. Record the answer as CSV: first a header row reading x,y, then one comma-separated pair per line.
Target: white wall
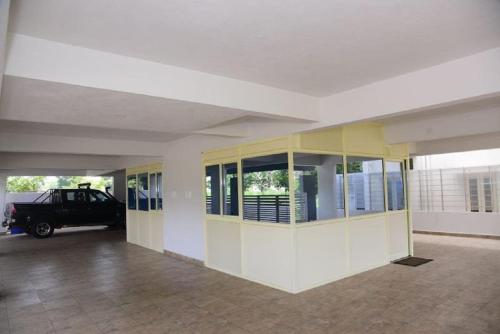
x,y
183,233
28,196
458,222
6,197
119,189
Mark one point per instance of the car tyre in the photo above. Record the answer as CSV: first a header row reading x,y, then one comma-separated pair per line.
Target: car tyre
x,y
42,230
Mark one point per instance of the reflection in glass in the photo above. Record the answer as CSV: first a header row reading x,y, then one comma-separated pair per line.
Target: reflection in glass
x,y
152,191
212,189
159,190
366,185
230,189
266,189
319,187
142,191
131,192
395,189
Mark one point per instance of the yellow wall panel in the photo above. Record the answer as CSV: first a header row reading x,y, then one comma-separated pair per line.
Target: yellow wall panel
x,y
276,144
222,154
397,151
364,138
326,140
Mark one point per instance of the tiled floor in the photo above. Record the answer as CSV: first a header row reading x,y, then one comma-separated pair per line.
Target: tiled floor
x,y
94,282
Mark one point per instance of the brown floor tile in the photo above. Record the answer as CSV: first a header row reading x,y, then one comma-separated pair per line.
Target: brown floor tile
x,y
94,282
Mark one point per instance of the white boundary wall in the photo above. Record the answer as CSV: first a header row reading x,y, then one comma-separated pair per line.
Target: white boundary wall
x,y
462,200
479,223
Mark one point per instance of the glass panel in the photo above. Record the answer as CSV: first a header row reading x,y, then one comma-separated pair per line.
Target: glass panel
x,y
131,193
395,191
142,191
266,189
98,197
75,196
366,185
70,196
159,190
212,189
152,191
230,189
319,186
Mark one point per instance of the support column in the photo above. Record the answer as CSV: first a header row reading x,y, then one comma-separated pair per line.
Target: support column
x,y
3,190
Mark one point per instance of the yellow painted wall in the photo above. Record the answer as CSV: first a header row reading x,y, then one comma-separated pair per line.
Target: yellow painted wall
x,y
361,139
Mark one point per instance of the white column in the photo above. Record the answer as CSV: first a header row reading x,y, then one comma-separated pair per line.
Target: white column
x,y
3,190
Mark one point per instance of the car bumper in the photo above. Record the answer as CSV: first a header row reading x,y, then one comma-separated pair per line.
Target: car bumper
x,y
9,222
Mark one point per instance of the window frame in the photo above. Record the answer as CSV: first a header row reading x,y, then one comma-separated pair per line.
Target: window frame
x,y
481,193
291,184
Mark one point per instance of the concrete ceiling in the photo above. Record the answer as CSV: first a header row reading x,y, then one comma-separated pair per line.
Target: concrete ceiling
x,y
39,107
49,102
316,47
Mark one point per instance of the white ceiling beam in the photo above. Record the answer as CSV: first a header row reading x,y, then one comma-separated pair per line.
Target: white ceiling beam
x,y
461,80
52,172
440,125
35,58
14,160
11,142
457,144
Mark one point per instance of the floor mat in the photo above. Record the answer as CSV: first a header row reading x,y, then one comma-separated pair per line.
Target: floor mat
x,y
412,261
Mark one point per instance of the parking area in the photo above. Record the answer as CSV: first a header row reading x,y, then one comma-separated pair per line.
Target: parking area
x,y
93,281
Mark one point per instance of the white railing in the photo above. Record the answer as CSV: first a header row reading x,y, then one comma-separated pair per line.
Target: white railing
x,y
475,189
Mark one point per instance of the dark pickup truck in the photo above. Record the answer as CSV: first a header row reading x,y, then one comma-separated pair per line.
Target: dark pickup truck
x,y
58,208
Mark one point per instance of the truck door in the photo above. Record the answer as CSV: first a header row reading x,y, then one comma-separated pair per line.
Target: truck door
x,y
102,208
75,208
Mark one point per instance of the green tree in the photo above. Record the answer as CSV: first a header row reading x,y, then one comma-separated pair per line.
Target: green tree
x,y
354,167
97,182
42,183
260,180
68,181
280,179
25,183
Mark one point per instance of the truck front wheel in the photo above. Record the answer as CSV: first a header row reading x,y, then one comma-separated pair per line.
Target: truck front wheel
x,y
42,230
